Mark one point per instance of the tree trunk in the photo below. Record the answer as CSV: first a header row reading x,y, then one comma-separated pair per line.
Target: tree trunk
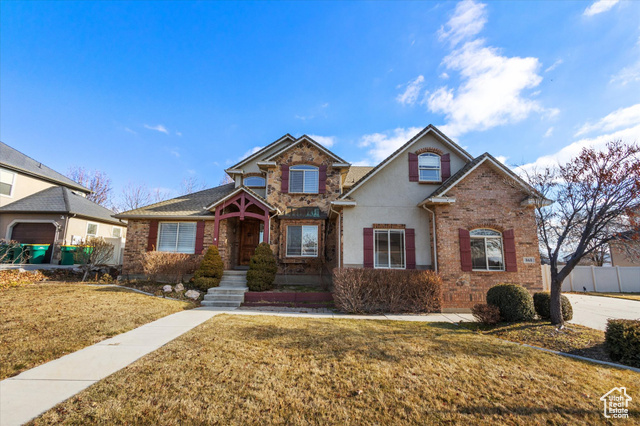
x,y
556,306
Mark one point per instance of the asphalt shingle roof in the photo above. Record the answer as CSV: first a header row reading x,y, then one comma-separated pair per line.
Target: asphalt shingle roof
x,y
60,199
14,159
356,173
185,205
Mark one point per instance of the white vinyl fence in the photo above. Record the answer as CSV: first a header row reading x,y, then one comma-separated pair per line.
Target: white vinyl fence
x,y
601,279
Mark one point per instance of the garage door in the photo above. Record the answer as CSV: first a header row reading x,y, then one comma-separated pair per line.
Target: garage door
x,y
35,233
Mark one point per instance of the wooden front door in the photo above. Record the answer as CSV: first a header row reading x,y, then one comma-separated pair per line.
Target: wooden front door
x,y
249,240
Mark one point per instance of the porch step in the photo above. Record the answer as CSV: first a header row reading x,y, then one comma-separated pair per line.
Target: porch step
x,y
231,291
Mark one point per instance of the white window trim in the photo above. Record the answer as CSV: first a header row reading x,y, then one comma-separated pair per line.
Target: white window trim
x,y
485,237
86,233
113,228
439,168
304,177
13,182
177,235
404,256
286,249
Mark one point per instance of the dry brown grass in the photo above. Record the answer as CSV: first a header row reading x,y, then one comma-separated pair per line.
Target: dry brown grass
x,y
42,322
629,296
264,370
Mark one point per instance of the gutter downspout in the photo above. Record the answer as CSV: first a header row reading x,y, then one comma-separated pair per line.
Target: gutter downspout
x,y
435,246
339,236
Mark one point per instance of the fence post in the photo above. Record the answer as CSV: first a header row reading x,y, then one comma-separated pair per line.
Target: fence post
x,y
619,279
571,280
593,276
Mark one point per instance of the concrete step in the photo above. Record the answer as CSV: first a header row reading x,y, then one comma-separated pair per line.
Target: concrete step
x,y
231,272
233,285
228,290
224,298
220,304
227,280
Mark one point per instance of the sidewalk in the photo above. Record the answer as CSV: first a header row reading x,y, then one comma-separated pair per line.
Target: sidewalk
x,y
35,391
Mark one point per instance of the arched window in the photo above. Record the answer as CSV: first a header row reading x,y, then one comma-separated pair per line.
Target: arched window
x,y
254,182
486,250
303,179
429,167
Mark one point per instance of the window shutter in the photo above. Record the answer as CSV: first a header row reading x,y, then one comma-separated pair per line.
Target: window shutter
x,y
445,164
284,178
465,249
410,247
200,237
368,247
322,179
153,235
413,167
510,258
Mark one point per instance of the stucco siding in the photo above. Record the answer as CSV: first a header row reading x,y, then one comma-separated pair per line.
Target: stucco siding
x,y
23,186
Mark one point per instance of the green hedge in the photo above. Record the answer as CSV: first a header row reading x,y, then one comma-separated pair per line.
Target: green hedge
x,y
210,271
514,301
262,269
622,339
542,303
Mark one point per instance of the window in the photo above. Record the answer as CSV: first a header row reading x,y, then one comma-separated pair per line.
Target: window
x,y
116,232
389,248
486,250
429,167
254,182
6,182
303,179
92,229
302,241
177,237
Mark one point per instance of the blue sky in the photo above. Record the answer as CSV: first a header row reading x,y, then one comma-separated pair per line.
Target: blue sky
x,y
157,92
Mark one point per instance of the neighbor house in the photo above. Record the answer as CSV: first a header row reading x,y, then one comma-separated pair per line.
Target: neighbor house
x,y
429,205
41,206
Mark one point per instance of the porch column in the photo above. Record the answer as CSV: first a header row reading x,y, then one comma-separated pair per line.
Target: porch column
x,y
267,229
216,229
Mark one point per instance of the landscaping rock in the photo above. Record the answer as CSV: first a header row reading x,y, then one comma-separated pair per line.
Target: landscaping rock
x,y
192,294
167,289
179,287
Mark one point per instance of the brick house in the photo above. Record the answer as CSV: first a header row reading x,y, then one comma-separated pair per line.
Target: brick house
x,y
429,205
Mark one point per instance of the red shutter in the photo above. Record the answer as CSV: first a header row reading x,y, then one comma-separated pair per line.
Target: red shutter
x,y
199,237
284,178
510,258
410,247
153,235
413,167
445,164
465,249
322,179
368,247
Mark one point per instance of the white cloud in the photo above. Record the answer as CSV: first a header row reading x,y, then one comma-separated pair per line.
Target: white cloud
x,y
502,159
133,132
444,76
174,152
627,75
250,152
327,141
413,88
622,117
158,128
549,132
179,133
554,65
600,6
381,145
491,92
468,20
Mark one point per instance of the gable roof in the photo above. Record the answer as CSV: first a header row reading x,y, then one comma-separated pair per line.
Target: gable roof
x,y
262,151
429,129
60,199
188,206
305,138
355,173
470,167
241,189
13,159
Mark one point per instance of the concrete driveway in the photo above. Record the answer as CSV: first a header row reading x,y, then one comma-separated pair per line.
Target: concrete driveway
x,y
593,311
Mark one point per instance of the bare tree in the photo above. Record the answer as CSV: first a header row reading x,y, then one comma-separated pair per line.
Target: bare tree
x,y
97,181
225,179
191,184
597,196
93,252
134,196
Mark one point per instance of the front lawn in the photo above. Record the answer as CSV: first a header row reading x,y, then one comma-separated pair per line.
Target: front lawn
x,y
263,369
42,322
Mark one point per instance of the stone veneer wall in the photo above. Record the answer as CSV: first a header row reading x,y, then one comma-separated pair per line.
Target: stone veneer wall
x,y
484,200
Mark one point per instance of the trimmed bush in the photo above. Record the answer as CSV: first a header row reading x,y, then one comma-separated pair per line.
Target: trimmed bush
x,y
210,271
622,340
386,290
262,269
542,304
514,301
168,267
486,314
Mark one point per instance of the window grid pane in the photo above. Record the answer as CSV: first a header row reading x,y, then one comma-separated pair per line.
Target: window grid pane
x,y
486,250
309,240
294,240
186,238
168,237
478,257
382,249
254,181
389,249
296,181
311,181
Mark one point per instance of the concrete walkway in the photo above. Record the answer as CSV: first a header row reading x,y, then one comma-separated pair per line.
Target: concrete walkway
x,y
593,311
35,391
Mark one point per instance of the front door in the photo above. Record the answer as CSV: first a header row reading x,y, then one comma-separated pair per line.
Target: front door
x,y
249,240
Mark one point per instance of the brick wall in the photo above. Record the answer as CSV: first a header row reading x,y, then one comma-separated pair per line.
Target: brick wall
x,y
135,246
484,199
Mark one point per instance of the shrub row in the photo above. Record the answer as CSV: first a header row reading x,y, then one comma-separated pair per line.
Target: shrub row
x,y
384,290
171,267
622,339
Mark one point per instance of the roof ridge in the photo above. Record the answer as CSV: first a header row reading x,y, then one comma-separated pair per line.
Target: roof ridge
x,y
65,197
